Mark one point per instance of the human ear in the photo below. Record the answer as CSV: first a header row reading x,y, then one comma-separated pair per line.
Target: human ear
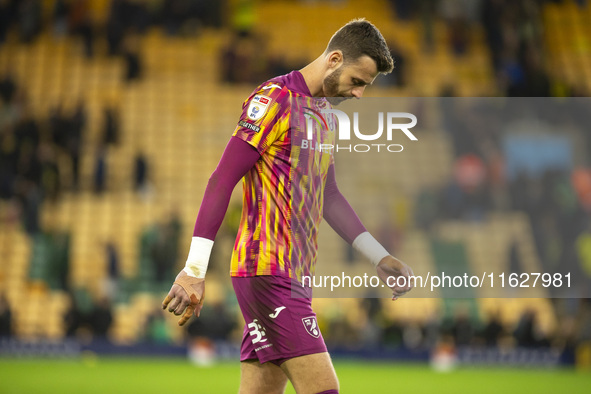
x,y
334,59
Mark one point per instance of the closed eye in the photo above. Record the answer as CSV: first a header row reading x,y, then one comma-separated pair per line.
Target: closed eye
x,y
358,82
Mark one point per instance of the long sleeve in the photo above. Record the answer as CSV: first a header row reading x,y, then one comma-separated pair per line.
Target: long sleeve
x,y
238,158
337,211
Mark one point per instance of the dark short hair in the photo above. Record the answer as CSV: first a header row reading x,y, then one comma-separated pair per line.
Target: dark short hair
x,y
360,37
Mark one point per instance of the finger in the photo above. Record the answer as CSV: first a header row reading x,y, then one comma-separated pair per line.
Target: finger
x,y
408,283
173,305
403,290
410,274
181,307
167,301
403,293
399,291
399,294
187,315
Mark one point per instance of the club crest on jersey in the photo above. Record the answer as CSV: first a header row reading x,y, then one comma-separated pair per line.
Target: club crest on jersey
x,y
311,326
258,106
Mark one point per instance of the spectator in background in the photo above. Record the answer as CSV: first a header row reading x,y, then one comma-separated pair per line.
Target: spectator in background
x,y
131,54
458,15
426,209
493,330
234,60
61,10
164,250
115,26
5,317
67,134
515,262
174,225
157,329
160,256
583,247
8,160
111,285
28,166
100,169
462,329
140,173
398,76
29,17
8,12
9,145
471,178
527,334
111,126
27,138
101,318
174,14
490,17
8,86
28,197
245,59
57,126
459,33
50,174
215,323
514,36
60,260
584,321
428,10
535,81
73,317
74,140
80,22
403,8
432,330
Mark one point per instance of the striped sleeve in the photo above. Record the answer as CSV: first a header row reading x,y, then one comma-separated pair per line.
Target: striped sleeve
x,y
261,113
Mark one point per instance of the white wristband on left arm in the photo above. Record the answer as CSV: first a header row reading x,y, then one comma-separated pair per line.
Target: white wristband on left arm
x,y
198,259
370,248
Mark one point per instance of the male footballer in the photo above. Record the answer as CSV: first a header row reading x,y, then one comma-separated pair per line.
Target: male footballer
x,y
289,186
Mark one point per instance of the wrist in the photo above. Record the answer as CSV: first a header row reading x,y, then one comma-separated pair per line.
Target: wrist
x,y
367,245
198,259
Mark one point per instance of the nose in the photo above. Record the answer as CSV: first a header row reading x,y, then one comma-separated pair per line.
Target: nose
x,y
358,91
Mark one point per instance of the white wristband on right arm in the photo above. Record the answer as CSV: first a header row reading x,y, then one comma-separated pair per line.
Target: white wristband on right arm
x,y
198,259
370,248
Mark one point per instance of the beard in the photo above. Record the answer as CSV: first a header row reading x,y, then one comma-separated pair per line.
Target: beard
x,y
330,86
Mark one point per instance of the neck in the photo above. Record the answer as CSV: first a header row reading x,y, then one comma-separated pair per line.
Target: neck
x,y
313,74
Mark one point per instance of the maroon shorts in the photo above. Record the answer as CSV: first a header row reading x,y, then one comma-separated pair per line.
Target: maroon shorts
x,y
279,325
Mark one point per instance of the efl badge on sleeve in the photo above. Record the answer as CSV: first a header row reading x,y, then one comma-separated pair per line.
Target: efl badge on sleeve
x,y
258,106
311,326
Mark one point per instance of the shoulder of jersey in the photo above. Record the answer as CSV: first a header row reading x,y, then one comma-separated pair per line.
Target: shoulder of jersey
x,y
270,91
270,88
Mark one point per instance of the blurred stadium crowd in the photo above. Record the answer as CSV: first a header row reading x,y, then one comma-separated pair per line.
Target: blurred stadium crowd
x,y
86,140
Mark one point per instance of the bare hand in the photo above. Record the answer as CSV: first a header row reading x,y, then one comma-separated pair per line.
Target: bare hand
x,y
186,295
392,271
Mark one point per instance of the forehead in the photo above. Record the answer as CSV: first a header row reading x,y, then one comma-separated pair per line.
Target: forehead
x,y
364,68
